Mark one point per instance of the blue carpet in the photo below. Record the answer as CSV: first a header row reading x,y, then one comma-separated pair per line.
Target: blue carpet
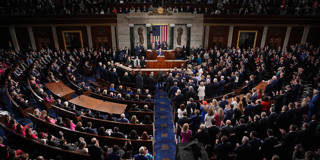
x,y
164,146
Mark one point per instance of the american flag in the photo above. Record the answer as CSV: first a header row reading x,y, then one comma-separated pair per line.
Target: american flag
x,y
159,33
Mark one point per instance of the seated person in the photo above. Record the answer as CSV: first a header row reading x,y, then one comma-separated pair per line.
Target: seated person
x,y
117,133
149,99
123,118
112,87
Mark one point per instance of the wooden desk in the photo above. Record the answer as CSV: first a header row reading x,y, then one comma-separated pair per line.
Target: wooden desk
x,y
162,62
168,54
99,105
262,86
60,89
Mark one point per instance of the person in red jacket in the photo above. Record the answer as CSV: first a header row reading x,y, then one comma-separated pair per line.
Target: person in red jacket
x,y
266,104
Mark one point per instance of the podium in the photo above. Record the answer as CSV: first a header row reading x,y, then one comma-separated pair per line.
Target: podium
x,y
162,62
168,54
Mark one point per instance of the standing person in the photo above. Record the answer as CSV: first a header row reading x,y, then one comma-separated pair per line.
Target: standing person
x,y
201,91
208,118
138,50
114,76
139,81
186,133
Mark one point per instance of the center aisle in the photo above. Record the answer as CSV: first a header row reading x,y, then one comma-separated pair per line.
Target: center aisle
x,y
165,145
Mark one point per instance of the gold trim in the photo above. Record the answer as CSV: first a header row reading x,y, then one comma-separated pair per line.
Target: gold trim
x,y
159,24
255,37
71,31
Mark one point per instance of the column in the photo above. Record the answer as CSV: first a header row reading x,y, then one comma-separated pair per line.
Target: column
x,y
188,38
149,45
55,37
14,38
89,36
305,34
132,38
32,40
230,36
286,39
264,36
171,35
206,36
114,37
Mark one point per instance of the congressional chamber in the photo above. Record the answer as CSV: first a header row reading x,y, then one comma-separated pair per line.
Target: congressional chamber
x,y
159,80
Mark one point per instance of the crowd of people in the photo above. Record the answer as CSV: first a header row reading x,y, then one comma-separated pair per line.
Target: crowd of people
x,y
210,7
279,121
81,146
46,66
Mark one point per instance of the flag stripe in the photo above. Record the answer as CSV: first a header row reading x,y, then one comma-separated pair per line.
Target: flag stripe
x,y
160,33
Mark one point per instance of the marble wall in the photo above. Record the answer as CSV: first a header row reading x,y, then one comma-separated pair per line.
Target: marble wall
x,y
180,20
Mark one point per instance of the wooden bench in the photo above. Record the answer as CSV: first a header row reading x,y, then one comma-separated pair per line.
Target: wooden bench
x,y
29,145
74,135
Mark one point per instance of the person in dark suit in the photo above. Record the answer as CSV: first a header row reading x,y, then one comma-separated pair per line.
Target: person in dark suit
x,y
213,132
173,89
95,150
139,81
195,121
66,146
138,50
164,45
89,128
160,52
114,76
267,147
255,144
315,101
222,82
151,82
224,148
244,150
156,45
117,133
143,62
52,141
114,155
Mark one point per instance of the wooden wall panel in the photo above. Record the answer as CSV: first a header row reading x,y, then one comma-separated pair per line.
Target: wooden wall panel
x,y
295,35
101,36
23,38
314,36
43,37
82,29
275,36
236,30
5,40
218,36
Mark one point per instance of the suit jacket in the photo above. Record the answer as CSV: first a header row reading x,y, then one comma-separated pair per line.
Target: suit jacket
x,y
91,130
243,151
117,134
95,152
139,81
114,78
223,150
159,53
